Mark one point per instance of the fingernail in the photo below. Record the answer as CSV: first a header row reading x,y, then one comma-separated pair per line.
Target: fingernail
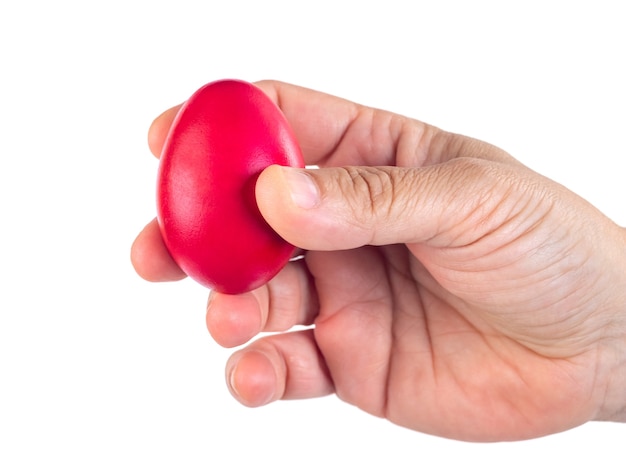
x,y
251,378
231,381
209,301
303,190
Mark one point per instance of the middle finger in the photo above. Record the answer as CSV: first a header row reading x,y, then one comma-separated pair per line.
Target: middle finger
x,y
287,300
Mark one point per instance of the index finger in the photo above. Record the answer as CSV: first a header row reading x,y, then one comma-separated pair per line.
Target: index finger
x,y
333,131
330,130
317,119
159,129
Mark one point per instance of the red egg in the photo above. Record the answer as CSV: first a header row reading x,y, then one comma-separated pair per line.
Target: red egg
x,y
220,141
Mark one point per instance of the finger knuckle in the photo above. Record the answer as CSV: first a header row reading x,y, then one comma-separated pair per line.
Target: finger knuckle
x,y
371,192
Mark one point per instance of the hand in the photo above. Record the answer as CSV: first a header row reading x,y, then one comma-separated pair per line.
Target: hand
x,y
452,290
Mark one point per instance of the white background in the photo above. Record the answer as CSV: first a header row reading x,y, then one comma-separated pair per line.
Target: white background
x,y
101,369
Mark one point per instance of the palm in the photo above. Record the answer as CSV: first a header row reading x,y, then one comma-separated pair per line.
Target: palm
x,y
401,346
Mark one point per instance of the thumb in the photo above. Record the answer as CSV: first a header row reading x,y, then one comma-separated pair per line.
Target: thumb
x,y
348,207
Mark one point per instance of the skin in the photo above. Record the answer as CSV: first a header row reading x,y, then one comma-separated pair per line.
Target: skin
x,y
452,290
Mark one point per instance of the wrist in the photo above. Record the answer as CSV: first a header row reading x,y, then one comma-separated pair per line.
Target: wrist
x,y
612,359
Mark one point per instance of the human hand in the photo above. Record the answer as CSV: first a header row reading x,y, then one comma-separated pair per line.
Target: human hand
x,y
452,290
